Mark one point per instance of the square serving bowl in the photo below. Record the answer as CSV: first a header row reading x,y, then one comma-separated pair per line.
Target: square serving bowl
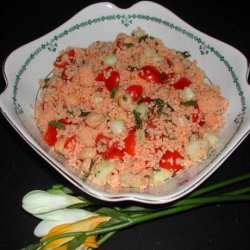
x,y
223,64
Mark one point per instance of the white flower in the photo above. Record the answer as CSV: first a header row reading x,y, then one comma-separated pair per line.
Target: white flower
x,y
38,201
59,217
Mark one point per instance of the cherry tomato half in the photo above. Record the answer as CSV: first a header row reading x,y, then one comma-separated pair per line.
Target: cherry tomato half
x,y
135,91
50,135
168,160
112,81
150,74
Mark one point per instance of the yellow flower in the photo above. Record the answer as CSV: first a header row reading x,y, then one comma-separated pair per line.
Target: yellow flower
x,y
78,226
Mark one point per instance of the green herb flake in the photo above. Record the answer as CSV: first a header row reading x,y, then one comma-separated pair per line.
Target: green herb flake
x,y
138,121
113,91
159,111
189,103
132,68
144,38
89,170
57,124
159,102
84,113
185,54
140,100
170,107
128,45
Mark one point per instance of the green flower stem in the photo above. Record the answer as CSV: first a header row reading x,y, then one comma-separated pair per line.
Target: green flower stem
x,y
239,191
219,185
105,237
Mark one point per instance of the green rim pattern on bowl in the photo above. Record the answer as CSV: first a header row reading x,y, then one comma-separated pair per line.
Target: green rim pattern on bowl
x,y
127,20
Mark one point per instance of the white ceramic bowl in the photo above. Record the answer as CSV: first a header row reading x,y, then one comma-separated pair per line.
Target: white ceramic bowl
x,y
222,63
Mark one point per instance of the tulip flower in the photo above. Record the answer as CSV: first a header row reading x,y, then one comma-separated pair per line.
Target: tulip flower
x,y
38,201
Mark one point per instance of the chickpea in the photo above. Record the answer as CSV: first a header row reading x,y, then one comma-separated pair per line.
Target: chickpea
x,y
126,102
59,145
178,68
72,100
118,94
94,120
87,153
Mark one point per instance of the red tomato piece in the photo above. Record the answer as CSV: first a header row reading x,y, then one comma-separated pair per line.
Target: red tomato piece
x,y
113,152
129,142
202,123
196,115
70,143
60,63
146,99
50,135
71,54
100,77
181,83
135,91
65,121
150,74
168,160
113,80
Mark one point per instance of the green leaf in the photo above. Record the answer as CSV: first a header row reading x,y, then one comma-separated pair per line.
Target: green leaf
x,y
116,216
35,246
138,121
57,124
59,189
135,209
113,91
189,103
84,113
76,242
